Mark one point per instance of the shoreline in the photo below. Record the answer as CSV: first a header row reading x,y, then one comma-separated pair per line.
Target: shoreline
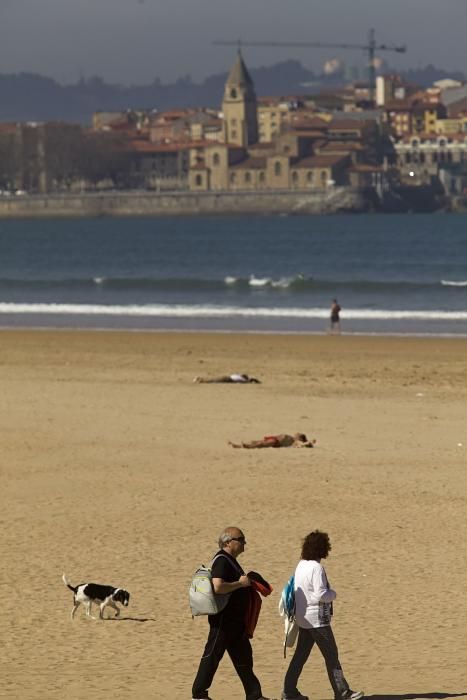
x,y
342,199
234,332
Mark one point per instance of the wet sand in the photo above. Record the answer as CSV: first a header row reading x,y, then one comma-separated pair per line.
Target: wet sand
x,y
115,468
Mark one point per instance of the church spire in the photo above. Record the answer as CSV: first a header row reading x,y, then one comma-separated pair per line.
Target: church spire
x,y
239,106
239,74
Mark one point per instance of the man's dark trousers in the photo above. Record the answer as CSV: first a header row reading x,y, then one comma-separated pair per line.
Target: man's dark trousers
x,y
227,636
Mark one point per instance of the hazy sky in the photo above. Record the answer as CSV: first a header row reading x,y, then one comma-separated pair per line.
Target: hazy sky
x,y
134,41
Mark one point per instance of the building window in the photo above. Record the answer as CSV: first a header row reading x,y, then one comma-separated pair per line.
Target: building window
x,y
309,177
248,177
294,178
234,133
233,178
216,159
277,168
233,94
198,180
233,122
324,177
261,177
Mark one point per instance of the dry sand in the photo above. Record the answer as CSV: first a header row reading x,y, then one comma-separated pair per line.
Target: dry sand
x,y
115,468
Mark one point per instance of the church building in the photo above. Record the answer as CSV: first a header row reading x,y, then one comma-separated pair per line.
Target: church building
x,y
239,106
241,163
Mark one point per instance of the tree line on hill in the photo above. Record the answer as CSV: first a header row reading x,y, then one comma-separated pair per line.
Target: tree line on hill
x,y
26,97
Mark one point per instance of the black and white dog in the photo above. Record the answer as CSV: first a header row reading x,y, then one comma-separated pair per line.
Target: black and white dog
x,y
89,593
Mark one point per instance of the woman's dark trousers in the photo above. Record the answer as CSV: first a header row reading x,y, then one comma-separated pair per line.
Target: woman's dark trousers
x,y
324,639
227,637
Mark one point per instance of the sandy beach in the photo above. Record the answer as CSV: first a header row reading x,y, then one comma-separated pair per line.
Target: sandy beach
x,y
115,468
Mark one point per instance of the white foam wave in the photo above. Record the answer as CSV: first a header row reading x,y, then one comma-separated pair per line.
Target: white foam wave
x,y
212,311
259,281
230,280
453,283
282,283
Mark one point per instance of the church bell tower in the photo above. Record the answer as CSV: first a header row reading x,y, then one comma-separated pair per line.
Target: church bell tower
x,y
239,106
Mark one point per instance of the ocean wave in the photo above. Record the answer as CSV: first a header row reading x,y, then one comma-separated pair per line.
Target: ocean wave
x,y
296,284
452,283
214,311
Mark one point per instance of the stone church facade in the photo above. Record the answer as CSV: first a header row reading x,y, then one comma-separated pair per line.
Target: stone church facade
x,y
240,162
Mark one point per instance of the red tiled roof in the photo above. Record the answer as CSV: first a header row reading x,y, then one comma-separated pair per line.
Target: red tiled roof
x,y
411,105
143,146
404,105
347,124
300,120
7,127
171,114
305,131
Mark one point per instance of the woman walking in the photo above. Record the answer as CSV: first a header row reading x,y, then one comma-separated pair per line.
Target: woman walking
x,y
313,611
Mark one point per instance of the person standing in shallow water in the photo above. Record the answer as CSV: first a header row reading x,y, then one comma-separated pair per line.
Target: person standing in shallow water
x,y
335,323
313,612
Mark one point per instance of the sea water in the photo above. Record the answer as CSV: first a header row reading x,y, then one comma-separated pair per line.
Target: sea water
x,y
390,273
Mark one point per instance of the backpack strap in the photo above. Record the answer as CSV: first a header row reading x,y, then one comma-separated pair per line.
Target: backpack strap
x,y
233,563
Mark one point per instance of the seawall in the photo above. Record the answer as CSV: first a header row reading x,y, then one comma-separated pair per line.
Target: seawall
x,y
137,203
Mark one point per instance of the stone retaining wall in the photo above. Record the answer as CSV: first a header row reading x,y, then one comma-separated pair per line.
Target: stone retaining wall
x,y
188,204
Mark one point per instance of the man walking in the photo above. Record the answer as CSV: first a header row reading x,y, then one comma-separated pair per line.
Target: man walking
x,y
227,630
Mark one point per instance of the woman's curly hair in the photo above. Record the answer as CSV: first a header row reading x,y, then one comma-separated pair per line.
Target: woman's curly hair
x,y
316,545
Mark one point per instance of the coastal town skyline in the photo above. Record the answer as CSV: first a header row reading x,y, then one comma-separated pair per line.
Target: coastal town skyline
x,y
136,41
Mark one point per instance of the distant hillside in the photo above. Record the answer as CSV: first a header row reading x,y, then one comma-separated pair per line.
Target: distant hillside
x,y
30,97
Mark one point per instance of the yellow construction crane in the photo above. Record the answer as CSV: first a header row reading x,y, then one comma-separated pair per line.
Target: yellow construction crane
x,y
371,48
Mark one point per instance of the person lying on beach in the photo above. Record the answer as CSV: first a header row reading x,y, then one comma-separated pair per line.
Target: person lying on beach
x,y
282,440
227,379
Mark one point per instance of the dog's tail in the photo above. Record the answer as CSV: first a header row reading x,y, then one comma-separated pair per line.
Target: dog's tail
x,y
67,583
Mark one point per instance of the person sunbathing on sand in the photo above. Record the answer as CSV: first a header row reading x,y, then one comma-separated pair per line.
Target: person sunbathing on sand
x,y
227,379
282,440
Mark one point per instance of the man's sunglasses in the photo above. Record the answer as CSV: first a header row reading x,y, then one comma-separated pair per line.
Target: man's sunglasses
x,y
238,539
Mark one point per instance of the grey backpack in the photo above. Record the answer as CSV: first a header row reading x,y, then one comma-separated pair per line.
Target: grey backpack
x,y
203,600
